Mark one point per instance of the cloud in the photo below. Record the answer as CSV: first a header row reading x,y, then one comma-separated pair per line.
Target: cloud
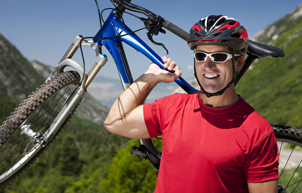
x,y
190,67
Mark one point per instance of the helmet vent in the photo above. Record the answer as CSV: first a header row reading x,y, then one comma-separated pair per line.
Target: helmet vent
x,y
236,35
232,22
220,21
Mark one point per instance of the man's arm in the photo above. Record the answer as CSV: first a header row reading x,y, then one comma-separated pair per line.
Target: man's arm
x,y
126,114
263,187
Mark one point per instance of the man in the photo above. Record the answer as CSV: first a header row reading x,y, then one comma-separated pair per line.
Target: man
x,y
213,141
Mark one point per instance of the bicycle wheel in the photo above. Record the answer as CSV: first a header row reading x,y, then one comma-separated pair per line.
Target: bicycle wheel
x,y
290,157
20,134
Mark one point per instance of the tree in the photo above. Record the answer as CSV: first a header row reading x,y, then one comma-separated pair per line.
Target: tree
x,y
129,173
69,161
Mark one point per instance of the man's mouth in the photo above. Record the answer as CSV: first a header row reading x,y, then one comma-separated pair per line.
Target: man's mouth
x,y
211,76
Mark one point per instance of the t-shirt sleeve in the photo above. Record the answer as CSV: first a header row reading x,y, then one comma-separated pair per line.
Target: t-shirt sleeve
x,y
152,118
161,112
262,162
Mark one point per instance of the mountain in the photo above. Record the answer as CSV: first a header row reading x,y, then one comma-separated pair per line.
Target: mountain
x,y
17,77
278,29
273,86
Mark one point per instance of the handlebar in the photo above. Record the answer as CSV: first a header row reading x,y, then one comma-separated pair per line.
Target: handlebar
x,y
176,30
135,8
166,24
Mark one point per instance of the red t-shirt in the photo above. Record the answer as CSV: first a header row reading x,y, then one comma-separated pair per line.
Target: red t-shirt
x,y
210,149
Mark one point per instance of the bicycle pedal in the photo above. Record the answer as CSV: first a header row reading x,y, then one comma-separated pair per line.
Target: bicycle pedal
x,y
139,152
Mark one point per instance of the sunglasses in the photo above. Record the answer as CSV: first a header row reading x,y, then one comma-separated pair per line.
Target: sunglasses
x,y
217,57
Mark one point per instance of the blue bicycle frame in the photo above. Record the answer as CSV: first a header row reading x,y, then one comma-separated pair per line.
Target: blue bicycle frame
x,y
114,27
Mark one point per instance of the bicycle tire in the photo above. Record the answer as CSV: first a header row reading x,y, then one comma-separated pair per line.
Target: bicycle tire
x,y
289,141
17,150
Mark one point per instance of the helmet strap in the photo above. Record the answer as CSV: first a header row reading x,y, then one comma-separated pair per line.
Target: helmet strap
x,y
222,90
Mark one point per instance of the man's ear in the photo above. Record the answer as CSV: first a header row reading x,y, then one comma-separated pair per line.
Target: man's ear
x,y
239,63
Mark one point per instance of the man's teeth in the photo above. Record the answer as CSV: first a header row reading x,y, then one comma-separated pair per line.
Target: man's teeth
x,y
211,75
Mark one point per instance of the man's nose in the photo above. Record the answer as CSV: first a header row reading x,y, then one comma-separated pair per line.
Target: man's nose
x,y
209,63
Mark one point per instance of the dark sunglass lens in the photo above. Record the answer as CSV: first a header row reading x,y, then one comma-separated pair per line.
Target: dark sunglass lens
x,y
219,57
200,56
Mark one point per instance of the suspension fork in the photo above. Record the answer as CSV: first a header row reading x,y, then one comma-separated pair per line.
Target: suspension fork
x,y
82,89
79,92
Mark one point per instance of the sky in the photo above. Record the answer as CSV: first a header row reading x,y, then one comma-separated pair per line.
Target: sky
x,y
43,29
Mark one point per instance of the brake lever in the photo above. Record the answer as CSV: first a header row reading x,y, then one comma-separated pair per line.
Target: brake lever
x,y
150,36
154,26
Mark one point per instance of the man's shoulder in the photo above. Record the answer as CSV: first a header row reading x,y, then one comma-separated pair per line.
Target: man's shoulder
x,y
251,118
178,97
175,101
255,114
257,121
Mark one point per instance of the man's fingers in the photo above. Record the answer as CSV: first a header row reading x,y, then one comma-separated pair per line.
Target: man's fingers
x,y
170,65
177,71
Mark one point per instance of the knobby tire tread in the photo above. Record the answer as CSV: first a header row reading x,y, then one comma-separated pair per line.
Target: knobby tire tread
x,y
287,132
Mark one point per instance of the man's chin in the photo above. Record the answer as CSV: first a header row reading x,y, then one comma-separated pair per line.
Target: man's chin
x,y
211,89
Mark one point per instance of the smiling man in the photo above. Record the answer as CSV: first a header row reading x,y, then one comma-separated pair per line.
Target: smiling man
x,y
213,141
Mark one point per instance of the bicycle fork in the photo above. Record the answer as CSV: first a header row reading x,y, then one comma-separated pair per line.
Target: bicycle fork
x,y
73,100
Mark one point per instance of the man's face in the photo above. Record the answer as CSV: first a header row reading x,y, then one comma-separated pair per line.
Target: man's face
x,y
212,76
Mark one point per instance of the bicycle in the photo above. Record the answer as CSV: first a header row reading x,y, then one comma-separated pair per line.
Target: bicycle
x,y
39,118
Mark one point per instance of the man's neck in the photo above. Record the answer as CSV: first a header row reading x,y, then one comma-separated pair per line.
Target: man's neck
x,y
228,98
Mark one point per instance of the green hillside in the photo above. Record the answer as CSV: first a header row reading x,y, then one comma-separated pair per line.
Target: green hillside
x,y
273,86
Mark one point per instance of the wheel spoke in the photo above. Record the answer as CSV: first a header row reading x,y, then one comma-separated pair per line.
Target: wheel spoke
x,y
280,149
287,160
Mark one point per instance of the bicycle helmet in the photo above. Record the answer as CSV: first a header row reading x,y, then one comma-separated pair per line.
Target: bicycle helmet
x,y
223,31
219,30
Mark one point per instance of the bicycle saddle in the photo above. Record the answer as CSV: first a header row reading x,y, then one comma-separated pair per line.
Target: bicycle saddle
x,y
261,50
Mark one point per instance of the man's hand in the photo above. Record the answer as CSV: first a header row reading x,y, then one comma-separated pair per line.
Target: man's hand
x,y
170,75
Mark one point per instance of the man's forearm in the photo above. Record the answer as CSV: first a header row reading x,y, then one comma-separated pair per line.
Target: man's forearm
x,y
132,97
